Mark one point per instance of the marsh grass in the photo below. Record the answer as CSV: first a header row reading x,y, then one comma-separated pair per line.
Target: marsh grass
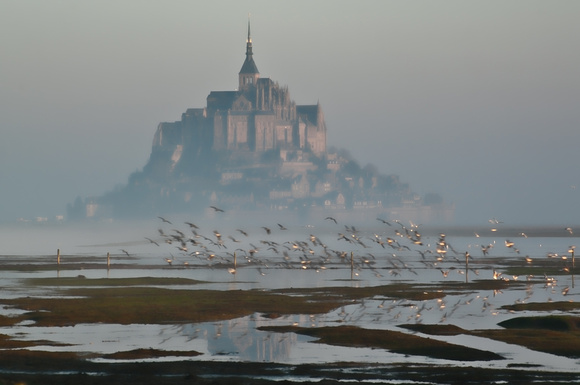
x,y
149,353
68,262
135,300
393,341
104,282
543,306
128,305
559,335
551,322
126,301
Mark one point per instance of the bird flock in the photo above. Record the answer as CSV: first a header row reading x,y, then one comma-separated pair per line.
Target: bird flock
x,y
385,251
393,249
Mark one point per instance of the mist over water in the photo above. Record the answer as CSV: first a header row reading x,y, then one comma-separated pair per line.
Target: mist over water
x,y
474,101
269,268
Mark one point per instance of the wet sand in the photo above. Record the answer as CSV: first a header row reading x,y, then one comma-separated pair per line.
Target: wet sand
x,y
20,367
47,293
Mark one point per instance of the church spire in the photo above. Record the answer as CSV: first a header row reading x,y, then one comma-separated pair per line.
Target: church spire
x,y
249,40
249,73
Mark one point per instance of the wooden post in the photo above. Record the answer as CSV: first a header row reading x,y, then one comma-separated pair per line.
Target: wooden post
x,y
108,260
58,263
571,250
351,266
235,261
466,267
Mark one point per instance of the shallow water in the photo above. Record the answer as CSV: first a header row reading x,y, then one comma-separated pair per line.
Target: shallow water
x,y
306,264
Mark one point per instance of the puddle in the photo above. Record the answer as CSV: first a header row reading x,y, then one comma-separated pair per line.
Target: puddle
x,y
238,339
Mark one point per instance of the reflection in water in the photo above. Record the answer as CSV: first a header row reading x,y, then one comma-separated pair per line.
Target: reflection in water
x,y
240,338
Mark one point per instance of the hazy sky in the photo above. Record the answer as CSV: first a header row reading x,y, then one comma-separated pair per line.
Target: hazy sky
x,y
476,100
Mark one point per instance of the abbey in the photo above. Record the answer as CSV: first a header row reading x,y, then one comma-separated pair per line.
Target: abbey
x,y
253,150
259,116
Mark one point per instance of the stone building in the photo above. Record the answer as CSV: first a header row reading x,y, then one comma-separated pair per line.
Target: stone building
x,y
254,150
257,117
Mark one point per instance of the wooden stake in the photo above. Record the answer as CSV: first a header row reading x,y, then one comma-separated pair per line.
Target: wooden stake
x,y
466,267
571,250
351,265
58,263
108,260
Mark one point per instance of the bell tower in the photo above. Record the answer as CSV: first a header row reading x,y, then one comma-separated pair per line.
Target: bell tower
x,y
249,73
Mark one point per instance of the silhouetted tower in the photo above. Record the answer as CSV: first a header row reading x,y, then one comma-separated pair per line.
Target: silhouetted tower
x,y
249,73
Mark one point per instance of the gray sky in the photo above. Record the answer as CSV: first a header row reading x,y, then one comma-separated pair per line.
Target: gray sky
x,y
477,101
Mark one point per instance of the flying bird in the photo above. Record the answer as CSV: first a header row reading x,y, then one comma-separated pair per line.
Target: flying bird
x,y
330,219
385,222
217,209
152,241
165,220
242,232
565,290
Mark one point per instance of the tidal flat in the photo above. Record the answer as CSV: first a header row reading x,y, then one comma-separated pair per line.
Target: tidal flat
x,y
311,309
73,300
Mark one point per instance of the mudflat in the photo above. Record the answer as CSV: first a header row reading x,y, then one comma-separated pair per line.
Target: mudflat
x,y
125,301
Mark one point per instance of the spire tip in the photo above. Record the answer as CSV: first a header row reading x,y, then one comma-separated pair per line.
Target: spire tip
x,y
249,37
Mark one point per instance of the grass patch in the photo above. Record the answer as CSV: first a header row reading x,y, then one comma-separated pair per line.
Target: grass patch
x,y
543,306
435,330
536,271
559,343
559,335
138,354
537,268
108,282
7,342
127,305
126,301
8,321
400,290
477,285
552,322
393,341
411,292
